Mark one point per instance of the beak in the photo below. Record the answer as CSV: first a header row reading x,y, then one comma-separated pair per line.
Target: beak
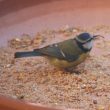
x,y
95,37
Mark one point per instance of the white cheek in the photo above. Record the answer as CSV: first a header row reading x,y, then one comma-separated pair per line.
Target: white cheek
x,y
88,45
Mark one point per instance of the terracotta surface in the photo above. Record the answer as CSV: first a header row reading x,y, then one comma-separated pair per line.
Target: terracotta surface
x,y
18,17
7,103
31,16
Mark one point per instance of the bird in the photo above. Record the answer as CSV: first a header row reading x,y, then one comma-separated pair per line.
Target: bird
x,y
66,54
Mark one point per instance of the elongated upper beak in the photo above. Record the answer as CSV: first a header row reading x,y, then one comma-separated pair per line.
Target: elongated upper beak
x,y
97,37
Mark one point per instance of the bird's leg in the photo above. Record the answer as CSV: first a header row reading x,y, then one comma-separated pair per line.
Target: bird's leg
x,y
72,70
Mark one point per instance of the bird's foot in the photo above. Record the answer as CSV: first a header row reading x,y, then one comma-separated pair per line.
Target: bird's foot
x,y
72,71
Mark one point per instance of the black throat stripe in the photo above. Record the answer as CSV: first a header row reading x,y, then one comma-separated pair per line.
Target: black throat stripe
x,y
81,46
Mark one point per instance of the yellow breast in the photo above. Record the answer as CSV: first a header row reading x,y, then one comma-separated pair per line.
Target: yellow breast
x,y
66,64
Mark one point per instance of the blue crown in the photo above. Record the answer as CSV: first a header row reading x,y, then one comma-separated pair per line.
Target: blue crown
x,y
84,37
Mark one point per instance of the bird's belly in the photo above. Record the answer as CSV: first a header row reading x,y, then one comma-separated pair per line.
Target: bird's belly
x,y
66,64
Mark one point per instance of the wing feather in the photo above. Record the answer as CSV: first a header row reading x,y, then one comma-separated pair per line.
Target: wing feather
x,y
64,50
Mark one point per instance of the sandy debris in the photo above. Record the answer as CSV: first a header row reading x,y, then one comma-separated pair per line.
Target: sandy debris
x,y
35,80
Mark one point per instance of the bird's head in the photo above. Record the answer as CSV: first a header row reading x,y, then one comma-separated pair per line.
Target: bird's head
x,y
85,41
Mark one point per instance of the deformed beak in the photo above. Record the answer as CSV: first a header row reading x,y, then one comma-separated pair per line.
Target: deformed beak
x,y
95,37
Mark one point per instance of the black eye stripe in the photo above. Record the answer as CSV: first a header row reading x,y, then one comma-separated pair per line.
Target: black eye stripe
x,y
83,42
87,41
90,39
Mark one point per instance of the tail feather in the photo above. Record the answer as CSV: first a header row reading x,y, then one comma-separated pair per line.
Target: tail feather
x,y
27,54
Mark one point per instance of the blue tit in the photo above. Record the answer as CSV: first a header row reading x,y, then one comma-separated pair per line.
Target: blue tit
x,y
65,54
